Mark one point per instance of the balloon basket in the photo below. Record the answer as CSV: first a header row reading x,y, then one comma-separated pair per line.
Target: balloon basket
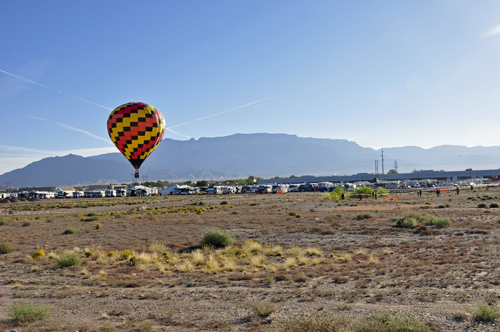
x,y
136,175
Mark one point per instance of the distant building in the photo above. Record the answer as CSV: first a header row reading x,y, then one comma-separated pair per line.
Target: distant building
x,y
493,174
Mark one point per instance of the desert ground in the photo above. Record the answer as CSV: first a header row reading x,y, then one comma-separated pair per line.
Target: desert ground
x,y
140,265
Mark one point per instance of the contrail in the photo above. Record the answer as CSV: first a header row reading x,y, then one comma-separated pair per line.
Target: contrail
x,y
48,87
110,109
209,116
178,133
66,126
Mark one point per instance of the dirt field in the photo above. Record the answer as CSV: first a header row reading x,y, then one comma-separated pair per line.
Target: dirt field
x,y
345,258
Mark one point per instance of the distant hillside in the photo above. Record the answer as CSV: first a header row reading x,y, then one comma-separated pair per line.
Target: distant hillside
x,y
240,155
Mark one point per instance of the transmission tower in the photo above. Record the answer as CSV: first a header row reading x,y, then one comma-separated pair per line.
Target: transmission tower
x,y
376,167
396,165
383,161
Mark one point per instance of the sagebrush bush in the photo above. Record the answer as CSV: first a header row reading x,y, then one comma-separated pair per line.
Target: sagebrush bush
x,y
486,313
27,312
224,203
494,205
441,222
118,215
411,219
385,322
6,248
71,231
217,238
482,205
262,308
407,222
363,216
26,223
69,258
270,280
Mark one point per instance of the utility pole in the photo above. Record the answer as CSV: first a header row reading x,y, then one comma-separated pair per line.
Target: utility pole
x,y
376,167
383,161
396,165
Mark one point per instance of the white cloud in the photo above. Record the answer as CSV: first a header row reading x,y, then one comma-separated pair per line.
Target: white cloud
x,y
493,32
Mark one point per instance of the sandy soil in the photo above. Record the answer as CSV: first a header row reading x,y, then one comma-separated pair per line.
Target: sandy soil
x,y
437,274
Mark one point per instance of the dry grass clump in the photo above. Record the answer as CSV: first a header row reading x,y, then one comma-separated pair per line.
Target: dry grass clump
x,y
314,252
251,247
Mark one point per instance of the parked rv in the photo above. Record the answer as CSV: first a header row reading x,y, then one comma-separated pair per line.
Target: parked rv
x,y
265,188
279,187
110,193
78,194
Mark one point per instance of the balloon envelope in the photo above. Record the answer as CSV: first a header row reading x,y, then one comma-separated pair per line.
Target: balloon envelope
x,y
136,129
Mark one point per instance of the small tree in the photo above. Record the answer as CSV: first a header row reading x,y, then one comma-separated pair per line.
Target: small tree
x,y
392,171
468,170
202,183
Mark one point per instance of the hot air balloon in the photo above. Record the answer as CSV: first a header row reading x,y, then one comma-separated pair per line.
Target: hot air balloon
x,y
136,129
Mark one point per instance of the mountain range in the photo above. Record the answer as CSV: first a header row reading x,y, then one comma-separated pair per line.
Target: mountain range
x,y
240,155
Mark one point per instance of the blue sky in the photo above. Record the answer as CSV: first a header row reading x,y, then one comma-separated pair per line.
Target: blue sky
x,y
380,73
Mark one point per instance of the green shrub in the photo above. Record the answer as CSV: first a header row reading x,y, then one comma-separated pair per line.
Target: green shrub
x,y
494,205
235,212
69,258
26,223
6,248
317,322
298,216
92,214
411,219
270,280
407,222
254,204
71,231
262,308
441,206
118,215
428,203
336,194
217,238
441,222
482,205
385,322
27,312
363,216
224,203
93,218
486,313
363,191
2,222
